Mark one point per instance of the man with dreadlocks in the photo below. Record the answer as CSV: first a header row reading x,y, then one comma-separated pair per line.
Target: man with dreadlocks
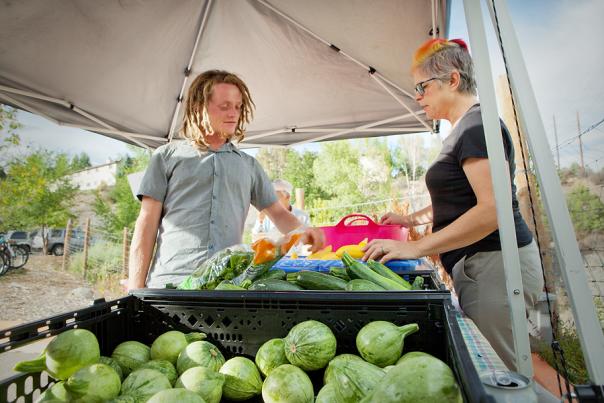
x,y
196,193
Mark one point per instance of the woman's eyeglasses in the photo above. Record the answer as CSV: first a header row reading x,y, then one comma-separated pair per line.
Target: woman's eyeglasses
x,y
420,87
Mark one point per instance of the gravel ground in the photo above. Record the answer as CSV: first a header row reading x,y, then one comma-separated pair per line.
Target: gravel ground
x,y
41,289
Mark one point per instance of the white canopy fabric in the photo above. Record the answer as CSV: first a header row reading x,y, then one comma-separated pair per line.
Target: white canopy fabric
x,y
118,67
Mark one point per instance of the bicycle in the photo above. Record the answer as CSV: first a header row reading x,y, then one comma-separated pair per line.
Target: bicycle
x,y
13,256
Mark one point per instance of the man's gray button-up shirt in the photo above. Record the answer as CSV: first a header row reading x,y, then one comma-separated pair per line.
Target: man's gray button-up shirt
x,y
206,198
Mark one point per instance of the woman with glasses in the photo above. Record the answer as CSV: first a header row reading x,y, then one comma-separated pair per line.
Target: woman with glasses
x,y
462,210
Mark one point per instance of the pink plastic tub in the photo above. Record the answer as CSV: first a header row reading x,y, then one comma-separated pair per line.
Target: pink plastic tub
x,y
353,228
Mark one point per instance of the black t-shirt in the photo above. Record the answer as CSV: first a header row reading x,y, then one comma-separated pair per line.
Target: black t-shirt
x,y
450,189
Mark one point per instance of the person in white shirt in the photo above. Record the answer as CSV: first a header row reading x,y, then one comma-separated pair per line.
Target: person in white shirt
x,y
264,226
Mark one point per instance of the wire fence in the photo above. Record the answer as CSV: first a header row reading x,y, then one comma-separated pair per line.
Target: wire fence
x,y
99,256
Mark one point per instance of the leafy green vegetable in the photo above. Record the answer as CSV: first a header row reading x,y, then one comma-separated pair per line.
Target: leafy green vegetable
x,y
224,265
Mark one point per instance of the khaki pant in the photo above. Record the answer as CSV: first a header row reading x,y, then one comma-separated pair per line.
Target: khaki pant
x,y
479,282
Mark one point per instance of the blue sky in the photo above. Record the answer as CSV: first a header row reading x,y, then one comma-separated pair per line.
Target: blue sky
x,y
561,44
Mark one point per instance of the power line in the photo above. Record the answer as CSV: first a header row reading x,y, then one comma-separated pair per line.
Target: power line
x,y
572,139
590,128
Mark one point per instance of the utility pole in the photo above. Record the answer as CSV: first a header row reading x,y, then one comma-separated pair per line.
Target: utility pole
x,y
580,145
556,138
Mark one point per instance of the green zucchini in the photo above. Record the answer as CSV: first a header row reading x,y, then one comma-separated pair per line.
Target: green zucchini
x,y
272,284
277,274
386,272
226,285
311,280
418,283
291,277
362,285
358,269
339,272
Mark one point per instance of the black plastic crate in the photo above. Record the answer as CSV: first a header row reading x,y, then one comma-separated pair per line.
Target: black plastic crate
x,y
239,322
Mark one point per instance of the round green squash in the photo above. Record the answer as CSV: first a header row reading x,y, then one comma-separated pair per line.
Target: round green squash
x,y
310,345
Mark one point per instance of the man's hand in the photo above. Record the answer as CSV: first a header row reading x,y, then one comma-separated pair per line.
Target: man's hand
x,y
315,237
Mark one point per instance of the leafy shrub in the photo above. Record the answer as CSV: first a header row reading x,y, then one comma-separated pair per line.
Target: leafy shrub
x,y
586,210
104,261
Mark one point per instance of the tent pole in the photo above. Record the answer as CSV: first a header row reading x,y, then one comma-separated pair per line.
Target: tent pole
x,y
346,131
27,108
401,102
266,134
434,10
568,254
204,17
65,104
501,186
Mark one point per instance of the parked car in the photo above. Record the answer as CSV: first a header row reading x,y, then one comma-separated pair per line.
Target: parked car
x,y
56,240
19,238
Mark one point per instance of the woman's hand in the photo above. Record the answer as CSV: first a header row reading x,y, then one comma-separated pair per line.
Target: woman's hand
x,y
384,250
396,219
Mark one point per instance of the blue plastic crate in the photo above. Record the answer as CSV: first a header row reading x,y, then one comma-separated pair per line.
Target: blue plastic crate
x,y
292,265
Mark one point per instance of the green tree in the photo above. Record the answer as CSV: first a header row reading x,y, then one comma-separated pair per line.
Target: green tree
x,y
273,160
338,171
586,210
9,126
80,161
120,209
36,192
299,172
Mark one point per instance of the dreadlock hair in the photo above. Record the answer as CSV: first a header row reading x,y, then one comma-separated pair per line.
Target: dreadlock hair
x,y
196,120
439,57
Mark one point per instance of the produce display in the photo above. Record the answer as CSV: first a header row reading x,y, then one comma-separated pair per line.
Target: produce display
x,y
239,265
282,372
225,271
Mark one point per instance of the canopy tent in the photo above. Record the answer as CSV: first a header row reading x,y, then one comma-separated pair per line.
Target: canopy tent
x,y
328,69
317,70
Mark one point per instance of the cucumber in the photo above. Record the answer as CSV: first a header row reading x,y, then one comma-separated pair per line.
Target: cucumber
x,y
362,285
418,283
277,274
359,270
386,272
272,284
291,277
311,280
226,285
339,272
